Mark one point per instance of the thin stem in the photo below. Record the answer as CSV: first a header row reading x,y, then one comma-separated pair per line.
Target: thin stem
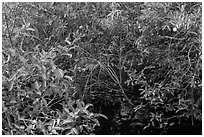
x,y
120,65
9,33
88,80
115,79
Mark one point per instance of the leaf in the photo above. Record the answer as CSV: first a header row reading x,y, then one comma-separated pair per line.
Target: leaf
x,y
77,111
30,29
11,84
136,124
86,111
75,131
13,101
88,105
68,41
79,105
152,114
67,121
75,40
13,78
19,126
68,77
153,123
58,128
101,115
44,102
30,126
54,132
4,108
161,125
96,122
58,121
66,110
35,85
87,127
44,70
12,51
72,114
8,58
40,126
53,65
27,24
22,59
67,54
36,101
59,73
53,123
25,34
171,124
82,102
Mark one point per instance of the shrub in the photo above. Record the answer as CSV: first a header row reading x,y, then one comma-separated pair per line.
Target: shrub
x,y
142,61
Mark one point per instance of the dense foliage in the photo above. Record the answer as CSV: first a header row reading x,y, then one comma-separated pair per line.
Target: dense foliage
x,y
101,68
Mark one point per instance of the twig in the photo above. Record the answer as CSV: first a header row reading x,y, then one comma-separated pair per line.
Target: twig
x,y
120,65
14,18
52,100
88,81
172,38
115,79
8,31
